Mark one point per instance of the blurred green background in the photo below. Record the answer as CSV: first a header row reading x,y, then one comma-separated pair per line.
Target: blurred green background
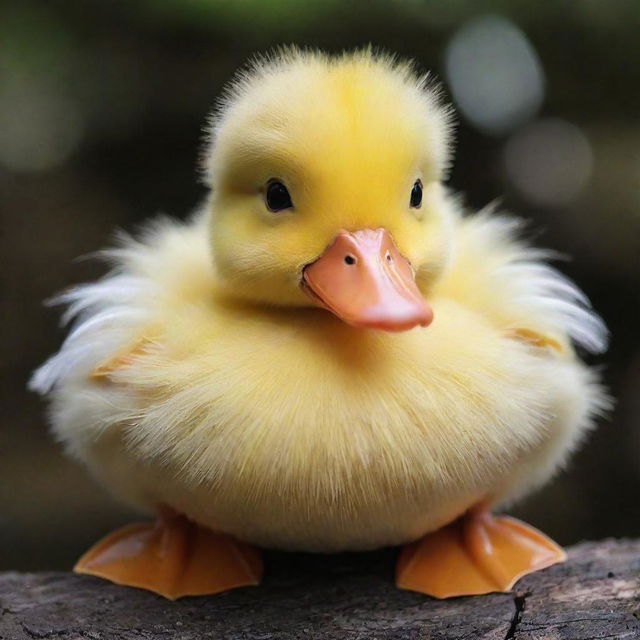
x,y
101,112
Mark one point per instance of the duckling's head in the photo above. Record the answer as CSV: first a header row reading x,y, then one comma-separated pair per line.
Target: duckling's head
x,y
326,187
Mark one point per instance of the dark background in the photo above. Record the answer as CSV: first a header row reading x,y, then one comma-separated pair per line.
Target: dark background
x,y
101,110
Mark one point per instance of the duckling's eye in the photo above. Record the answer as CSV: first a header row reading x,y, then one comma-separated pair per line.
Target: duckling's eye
x,y
277,196
416,195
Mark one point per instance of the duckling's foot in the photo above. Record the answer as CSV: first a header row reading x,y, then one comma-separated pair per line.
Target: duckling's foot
x,y
173,557
477,553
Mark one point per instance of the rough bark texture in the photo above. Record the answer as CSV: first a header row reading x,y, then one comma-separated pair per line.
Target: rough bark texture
x,y
596,594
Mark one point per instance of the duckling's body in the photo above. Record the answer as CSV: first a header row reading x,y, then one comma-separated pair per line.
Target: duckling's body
x,y
274,421
294,430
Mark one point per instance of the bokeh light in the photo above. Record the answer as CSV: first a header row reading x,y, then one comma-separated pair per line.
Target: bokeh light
x,y
494,74
549,161
39,128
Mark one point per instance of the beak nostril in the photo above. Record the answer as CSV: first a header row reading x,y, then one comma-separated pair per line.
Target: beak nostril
x,y
388,257
349,259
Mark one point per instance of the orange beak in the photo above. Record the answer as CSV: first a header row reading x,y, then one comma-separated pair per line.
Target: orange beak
x,y
364,279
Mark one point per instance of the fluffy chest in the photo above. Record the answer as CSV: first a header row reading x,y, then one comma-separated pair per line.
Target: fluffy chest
x,y
275,402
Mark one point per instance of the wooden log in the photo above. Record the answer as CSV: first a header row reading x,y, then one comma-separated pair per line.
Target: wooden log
x,y
596,594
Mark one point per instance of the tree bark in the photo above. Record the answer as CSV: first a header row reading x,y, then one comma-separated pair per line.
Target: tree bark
x,y
596,594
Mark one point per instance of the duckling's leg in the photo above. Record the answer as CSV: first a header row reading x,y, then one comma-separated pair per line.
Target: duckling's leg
x,y
477,553
173,557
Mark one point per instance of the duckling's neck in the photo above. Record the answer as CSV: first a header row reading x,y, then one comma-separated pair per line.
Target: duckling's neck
x,y
314,323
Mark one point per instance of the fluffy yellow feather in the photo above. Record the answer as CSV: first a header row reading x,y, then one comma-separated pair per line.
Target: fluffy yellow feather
x,y
226,394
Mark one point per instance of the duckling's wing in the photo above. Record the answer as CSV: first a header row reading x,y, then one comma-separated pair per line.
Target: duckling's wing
x,y
108,315
124,357
120,317
509,282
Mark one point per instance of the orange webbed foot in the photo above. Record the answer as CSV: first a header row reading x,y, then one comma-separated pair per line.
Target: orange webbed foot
x,y
478,553
173,557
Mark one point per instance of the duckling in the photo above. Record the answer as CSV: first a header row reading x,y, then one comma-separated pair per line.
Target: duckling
x,y
329,354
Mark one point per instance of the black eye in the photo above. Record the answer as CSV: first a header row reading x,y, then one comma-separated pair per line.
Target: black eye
x,y
277,197
416,195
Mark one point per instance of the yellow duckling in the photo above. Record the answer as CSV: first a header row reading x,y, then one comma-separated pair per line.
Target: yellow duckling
x,y
328,355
